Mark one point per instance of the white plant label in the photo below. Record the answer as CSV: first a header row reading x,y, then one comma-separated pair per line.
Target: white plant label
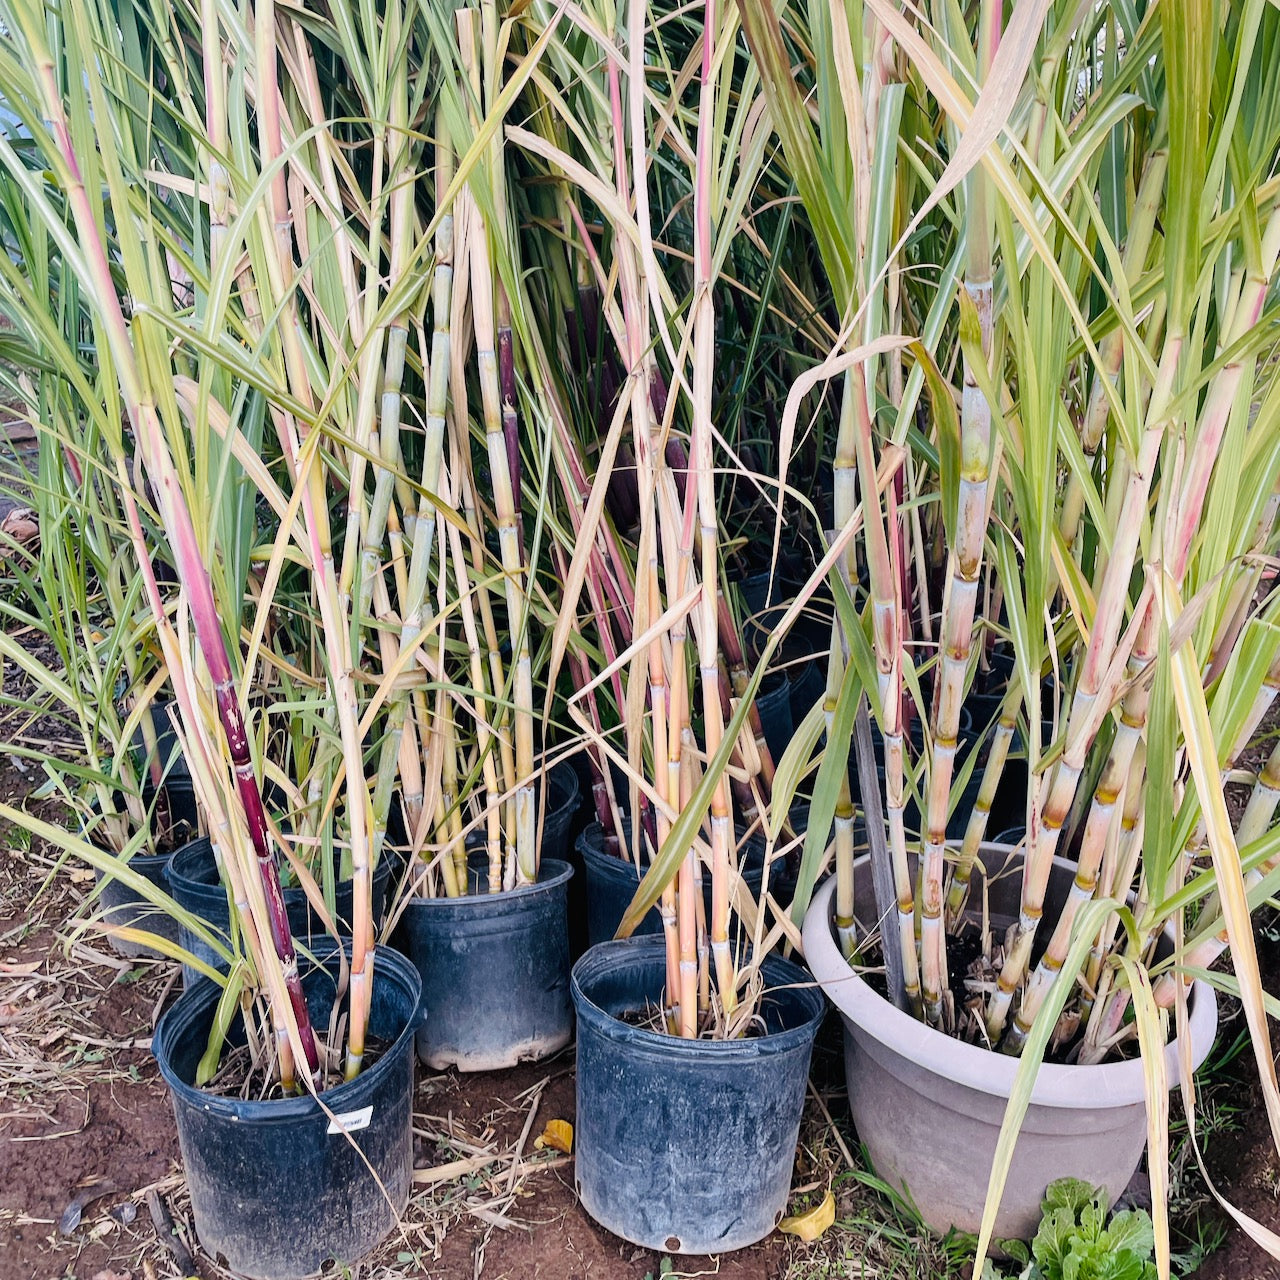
x,y
351,1121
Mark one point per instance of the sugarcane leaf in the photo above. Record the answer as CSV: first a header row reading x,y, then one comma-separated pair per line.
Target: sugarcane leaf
x,y
1151,1041
228,1008
1188,33
1158,852
947,420
811,1224
1202,756
814,181
557,1135
794,765
1088,922
832,776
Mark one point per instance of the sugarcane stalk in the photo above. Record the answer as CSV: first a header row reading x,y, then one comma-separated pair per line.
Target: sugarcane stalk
x,y
1119,866
524,867
855,443
1058,789
702,479
1141,229
964,565
316,518
736,667
958,892
484,736
1250,297
1104,812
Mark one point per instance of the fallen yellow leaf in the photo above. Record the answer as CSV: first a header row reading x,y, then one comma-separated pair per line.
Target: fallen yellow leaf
x,y
558,1135
810,1225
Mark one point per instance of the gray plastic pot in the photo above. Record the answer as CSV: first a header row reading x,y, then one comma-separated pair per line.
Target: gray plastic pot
x,y
929,1107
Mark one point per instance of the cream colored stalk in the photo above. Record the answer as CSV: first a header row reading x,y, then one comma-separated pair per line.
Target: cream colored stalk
x,y
1058,789
309,474
1119,866
1104,812
1137,246
667,698
416,607
886,614
964,565
484,744
523,868
976,829
702,480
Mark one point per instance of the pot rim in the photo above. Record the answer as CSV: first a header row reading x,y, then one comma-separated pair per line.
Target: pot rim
x,y
622,952
1114,1084
176,874
561,872
305,1107
563,775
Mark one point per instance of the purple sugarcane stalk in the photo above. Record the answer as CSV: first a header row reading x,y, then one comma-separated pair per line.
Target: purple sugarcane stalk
x,y
507,386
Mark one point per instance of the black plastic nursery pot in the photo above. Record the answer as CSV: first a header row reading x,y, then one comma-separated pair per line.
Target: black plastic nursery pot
x,y
686,1146
611,883
168,749
802,655
121,906
495,970
195,885
280,1186
563,796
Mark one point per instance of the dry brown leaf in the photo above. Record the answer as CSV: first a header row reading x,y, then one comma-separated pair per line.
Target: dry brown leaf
x,y
21,525
19,969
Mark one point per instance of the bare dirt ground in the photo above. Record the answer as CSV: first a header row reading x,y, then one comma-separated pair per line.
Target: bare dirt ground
x,y
88,1148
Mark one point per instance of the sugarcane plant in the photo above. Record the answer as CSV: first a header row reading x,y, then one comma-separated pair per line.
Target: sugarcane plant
x,y
675,678
1101,186
259,375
